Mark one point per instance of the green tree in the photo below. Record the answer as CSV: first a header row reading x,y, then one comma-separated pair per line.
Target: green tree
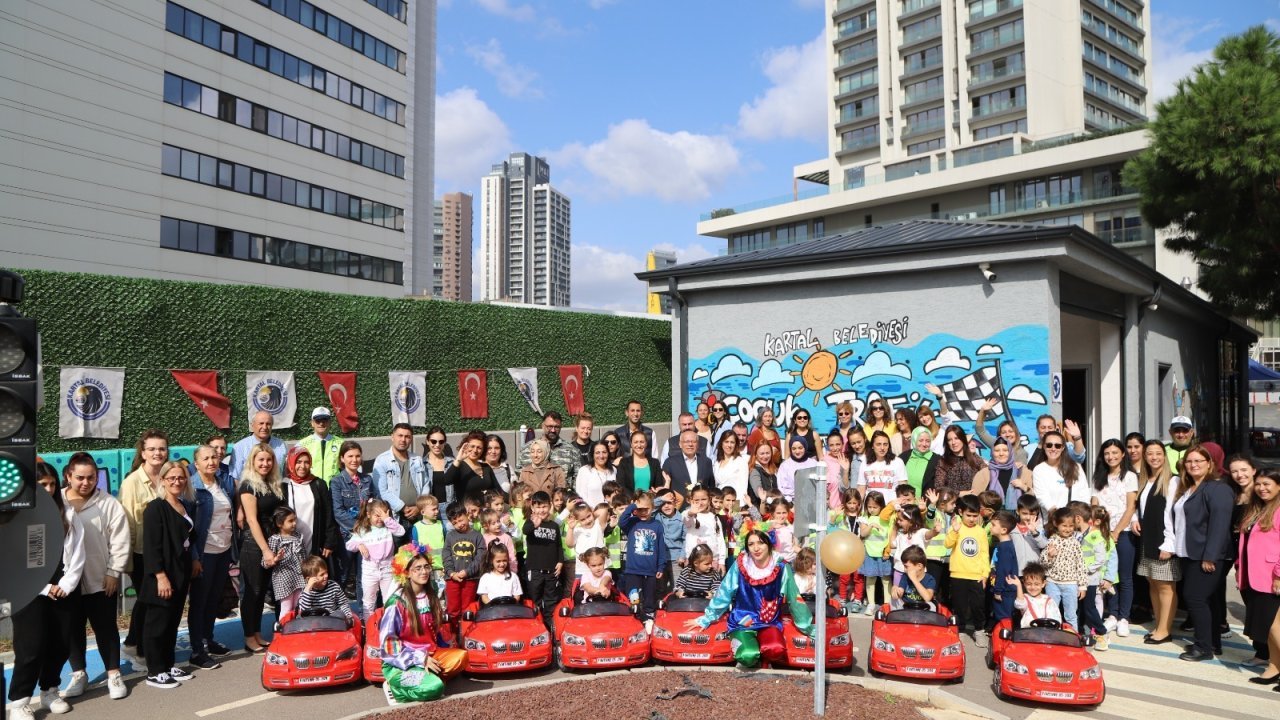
x,y
1211,174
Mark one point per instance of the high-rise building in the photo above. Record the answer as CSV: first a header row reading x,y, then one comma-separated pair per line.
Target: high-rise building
x,y
451,250
262,142
659,304
1019,110
524,234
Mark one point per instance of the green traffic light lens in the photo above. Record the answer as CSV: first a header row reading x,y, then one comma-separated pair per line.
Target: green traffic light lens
x,y
10,479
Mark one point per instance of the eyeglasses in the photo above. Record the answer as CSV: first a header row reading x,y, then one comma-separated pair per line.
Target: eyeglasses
x,y
1053,446
1192,461
844,413
420,569
549,428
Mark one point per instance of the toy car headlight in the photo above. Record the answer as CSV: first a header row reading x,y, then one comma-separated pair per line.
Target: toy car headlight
x,y
884,646
662,633
1016,668
638,637
951,650
373,652
571,639
472,644
274,659
722,636
542,639
349,654
840,640
1092,673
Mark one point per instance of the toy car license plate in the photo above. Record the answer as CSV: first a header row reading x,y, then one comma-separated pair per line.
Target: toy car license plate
x,y
1051,695
511,664
921,670
805,661
611,660
313,680
695,656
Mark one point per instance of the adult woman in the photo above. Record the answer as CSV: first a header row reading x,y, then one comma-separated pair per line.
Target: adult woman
x,y
844,419
878,419
718,420
40,628
637,471
927,418
906,421
856,450
408,633
752,592
212,553
137,490
1058,480
1156,484
922,463
495,456
764,432
958,464
1198,530
1003,475
438,459
313,504
1133,443
614,443
167,570
1115,488
351,489
881,470
591,478
763,478
539,474
1258,574
471,476
260,493
732,466
1007,430
701,422
802,429
837,465
798,460
106,555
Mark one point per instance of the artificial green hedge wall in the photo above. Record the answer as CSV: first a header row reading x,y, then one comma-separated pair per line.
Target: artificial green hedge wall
x,y
107,321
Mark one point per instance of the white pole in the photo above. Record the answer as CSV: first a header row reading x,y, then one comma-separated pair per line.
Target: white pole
x,y
820,593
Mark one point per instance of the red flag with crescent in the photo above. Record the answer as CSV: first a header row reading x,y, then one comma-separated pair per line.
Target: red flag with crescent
x,y
473,393
340,388
571,384
202,387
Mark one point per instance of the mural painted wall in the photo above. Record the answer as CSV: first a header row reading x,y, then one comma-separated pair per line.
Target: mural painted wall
x,y
800,368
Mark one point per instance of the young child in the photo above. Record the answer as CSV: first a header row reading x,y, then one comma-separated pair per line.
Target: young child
x,y
646,553
492,531
519,512
1064,564
463,560
543,558
699,578
374,537
429,532
941,508
672,534
1005,564
597,582
805,571
614,541
992,503
779,526
1030,600
877,568
730,520
474,503
911,532
584,530
701,526
915,584
286,574
322,594
1096,547
1029,538
559,501
499,579
850,587
970,566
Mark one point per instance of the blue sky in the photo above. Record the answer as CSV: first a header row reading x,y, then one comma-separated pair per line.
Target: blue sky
x,y
652,112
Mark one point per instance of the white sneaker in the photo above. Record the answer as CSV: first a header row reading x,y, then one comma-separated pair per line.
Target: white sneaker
x,y
180,675
21,710
1110,624
131,653
871,610
1122,628
79,681
116,687
53,702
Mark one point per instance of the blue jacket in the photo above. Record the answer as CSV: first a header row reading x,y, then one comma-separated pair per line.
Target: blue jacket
x,y
646,546
203,511
347,499
672,533
1006,564
386,476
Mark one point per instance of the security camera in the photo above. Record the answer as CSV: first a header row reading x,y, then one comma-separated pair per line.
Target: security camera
x,y
987,272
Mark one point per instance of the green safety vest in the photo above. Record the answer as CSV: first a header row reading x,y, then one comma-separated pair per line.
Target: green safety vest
x,y
876,542
936,548
613,543
431,535
566,545
517,533
1094,549
324,455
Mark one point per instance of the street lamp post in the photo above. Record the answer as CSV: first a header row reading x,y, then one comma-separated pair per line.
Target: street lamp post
x,y
820,592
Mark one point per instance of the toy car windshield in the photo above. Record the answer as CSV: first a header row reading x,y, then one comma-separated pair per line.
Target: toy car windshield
x,y
687,604
314,623
1047,636
916,617
832,612
600,609
505,612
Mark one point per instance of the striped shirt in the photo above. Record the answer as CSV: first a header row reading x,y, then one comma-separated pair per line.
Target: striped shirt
x,y
692,581
330,599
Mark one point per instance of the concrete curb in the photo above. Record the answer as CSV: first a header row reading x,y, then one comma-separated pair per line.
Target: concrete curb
x,y
925,694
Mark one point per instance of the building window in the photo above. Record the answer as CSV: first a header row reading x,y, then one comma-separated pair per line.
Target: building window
x,y
751,240
995,37
920,60
983,153
921,91
927,146
1100,27
925,120
907,169
858,51
1119,226
996,68
979,9
910,6
1101,87
921,29
857,23
857,109
1004,128
860,138
338,30
995,200
1104,119
1000,101
793,233
857,81
855,177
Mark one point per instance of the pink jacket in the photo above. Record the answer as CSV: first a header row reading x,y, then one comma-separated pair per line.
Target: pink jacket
x,y
1264,557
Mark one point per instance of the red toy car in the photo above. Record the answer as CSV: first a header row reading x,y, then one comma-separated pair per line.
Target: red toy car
x,y
672,643
802,650
313,651
599,634
504,637
372,662
1046,662
916,641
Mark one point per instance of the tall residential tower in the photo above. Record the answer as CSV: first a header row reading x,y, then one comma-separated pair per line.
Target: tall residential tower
x,y
524,234
451,251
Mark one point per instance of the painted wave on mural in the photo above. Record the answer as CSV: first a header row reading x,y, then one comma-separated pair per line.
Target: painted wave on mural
x,y
1012,365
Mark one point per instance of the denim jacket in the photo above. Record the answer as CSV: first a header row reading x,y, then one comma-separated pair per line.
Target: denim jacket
x,y
386,475
204,511
347,499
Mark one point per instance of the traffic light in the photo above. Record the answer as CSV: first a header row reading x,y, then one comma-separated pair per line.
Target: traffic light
x,y
18,392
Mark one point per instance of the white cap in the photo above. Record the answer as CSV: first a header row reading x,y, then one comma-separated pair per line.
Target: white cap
x,y
1182,421
321,412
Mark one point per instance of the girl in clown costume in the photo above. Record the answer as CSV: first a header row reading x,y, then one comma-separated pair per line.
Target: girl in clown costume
x,y
414,664
752,592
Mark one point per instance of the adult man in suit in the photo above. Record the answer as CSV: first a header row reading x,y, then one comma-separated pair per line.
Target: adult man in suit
x,y
689,468
672,445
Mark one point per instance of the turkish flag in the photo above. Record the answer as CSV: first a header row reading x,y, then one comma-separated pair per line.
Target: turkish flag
x,y
202,387
473,393
571,384
340,388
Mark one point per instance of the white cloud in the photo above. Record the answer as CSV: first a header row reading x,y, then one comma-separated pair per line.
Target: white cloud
x,y
947,357
514,80
879,363
730,366
771,373
503,8
795,104
686,254
1022,393
990,350
605,279
1172,39
699,374
469,138
636,159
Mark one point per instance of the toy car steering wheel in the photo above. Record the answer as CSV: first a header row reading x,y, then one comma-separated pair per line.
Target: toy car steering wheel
x,y
1046,623
915,605
503,600
314,612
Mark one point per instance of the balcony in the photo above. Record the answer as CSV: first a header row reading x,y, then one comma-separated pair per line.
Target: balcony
x,y
990,10
1142,235
1120,13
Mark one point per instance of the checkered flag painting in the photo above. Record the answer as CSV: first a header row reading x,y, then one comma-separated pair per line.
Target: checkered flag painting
x,y
966,395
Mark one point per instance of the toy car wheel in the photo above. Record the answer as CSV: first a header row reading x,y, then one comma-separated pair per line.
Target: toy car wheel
x,y
995,685
991,659
559,658
870,670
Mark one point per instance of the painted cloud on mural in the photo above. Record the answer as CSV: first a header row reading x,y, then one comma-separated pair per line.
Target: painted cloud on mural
x,y
947,357
1022,393
730,366
879,363
771,373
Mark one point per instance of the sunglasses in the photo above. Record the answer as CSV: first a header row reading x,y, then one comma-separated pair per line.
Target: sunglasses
x,y
802,417
877,408
719,408
435,442
1053,446
610,442
844,413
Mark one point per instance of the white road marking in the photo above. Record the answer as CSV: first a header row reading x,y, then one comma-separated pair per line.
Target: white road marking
x,y
237,704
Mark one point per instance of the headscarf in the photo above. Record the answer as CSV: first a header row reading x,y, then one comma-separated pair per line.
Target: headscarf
x,y
919,461
1216,453
296,452
995,466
